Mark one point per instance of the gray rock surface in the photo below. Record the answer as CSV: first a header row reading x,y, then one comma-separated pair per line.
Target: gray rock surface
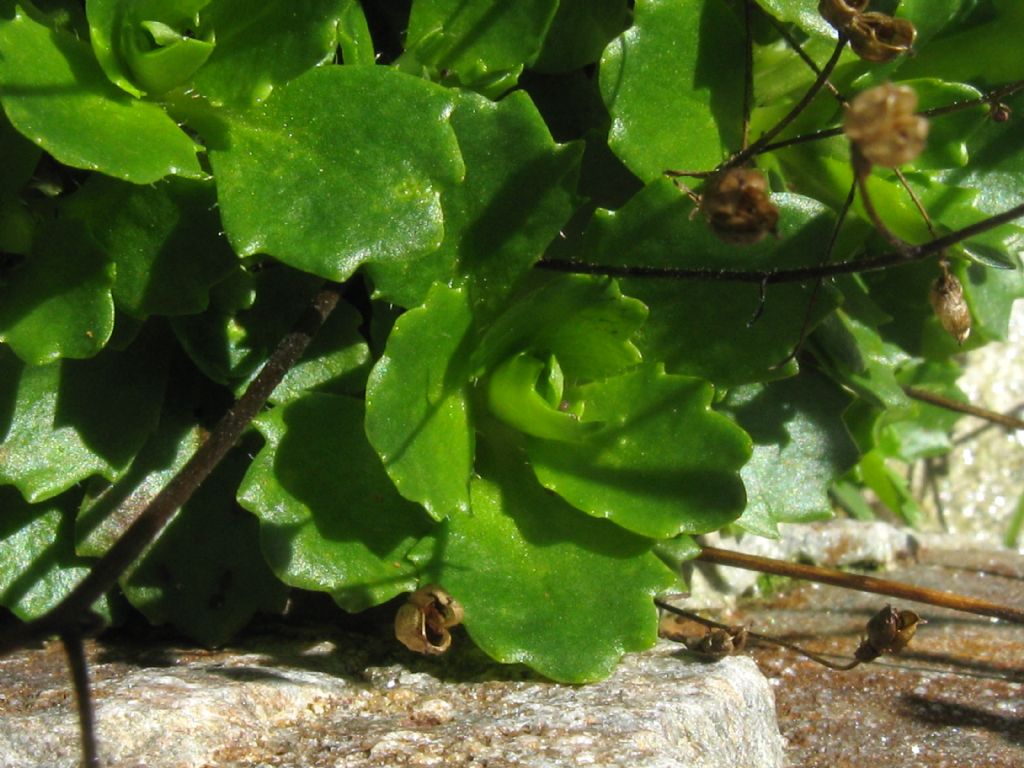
x,y
307,702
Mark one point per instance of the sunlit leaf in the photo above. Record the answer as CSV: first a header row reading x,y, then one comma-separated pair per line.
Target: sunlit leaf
x,y
55,94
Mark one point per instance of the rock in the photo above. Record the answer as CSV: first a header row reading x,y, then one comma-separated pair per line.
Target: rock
x,y
306,702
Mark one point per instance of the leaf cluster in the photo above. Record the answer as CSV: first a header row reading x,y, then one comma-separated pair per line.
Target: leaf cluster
x,y
181,176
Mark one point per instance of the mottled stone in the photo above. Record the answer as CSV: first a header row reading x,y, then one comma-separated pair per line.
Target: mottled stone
x,y
288,706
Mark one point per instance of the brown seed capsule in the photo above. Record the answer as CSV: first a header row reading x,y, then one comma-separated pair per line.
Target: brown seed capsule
x,y
840,13
422,624
719,643
882,122
879,37
1000,113
889,632
738,207
947,299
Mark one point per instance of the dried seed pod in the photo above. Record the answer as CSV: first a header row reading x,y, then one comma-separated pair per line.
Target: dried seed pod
x,y
879,37
719,643
840,13
422,624
947,299
889,631
1000,112
882,123
738,207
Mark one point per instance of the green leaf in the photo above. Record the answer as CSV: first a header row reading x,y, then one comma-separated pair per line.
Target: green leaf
x,y
890,487
262,47
57,303
147,232
417,404
512,396
801,446
579,33
704,327
803,13
661,462
540,582
858,357
55,94
673,83
68,420
354,36
336,209
948,134
330,519
923,430
986,53
478,44
205,574
518,192
585,322
38,564
147,46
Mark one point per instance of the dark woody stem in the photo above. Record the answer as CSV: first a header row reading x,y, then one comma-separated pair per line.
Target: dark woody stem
x,y
797,275
74,650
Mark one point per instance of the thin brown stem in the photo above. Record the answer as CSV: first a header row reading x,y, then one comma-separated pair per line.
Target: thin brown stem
x,y
742,157
799,50
861,583
917,202
861,173
152,520
1010,422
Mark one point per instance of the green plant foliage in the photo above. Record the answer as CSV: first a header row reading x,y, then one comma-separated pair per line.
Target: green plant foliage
x,y
258,49
37,548
71,419
417,405
518,191
58,302
330,520
661,463
693,51
144,230
800,444
656,228
540,583
181,177
477,43
334,209
54,92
